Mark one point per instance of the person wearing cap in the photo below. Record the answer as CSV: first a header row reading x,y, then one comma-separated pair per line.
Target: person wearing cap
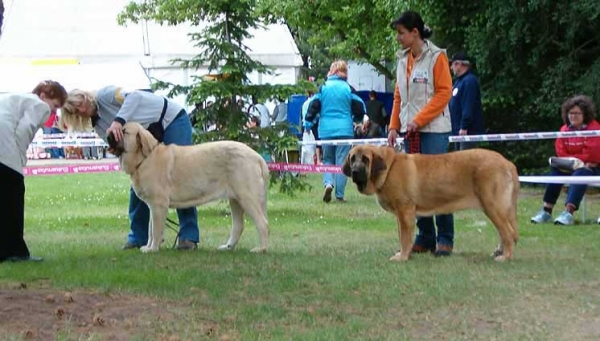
x,y
420,112
465,106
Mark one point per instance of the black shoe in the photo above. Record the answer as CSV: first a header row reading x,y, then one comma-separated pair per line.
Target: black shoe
x,y
24,259
129,246
327,195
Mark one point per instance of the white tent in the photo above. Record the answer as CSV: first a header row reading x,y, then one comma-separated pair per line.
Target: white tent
x,y
38,34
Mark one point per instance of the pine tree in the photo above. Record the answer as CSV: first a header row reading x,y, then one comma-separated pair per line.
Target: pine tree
x,y
228,23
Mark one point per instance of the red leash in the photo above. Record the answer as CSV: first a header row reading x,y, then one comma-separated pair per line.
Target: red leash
x,y
414,142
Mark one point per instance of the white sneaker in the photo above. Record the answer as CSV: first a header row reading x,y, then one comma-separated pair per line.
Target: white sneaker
x,y
564,218
541,217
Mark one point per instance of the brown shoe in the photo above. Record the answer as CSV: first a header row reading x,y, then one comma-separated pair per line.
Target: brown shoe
x,y
186,245
443,250
417,248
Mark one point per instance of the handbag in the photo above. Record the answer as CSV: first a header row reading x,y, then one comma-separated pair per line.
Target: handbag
x,y
565,164
156,129
308,150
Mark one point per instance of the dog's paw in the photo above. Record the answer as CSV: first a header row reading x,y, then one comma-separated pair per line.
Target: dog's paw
x,y
500,258
225,247
147,249
399,257
259,250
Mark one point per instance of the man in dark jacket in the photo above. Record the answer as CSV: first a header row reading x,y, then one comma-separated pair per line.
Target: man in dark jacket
x,y
465,106
377,114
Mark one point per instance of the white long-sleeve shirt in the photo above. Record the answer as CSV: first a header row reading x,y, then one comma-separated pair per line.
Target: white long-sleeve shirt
x,y
21,115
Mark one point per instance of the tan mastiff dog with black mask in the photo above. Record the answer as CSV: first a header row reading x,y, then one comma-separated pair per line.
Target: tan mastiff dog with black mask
x,y
171,176
408,185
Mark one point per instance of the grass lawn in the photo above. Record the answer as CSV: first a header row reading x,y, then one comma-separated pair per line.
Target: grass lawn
x,y
326,275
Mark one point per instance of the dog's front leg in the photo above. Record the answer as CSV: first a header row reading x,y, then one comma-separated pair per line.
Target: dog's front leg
x,y
405,216
158,215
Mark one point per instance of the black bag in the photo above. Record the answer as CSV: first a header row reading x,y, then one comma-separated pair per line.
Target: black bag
x,y
156,128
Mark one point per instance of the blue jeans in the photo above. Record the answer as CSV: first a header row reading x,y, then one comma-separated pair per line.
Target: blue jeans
x,y
575,193
335,155
434,143
54,152
178,132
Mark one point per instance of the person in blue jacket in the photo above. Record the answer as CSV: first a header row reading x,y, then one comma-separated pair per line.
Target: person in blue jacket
x,y
338,109
465,105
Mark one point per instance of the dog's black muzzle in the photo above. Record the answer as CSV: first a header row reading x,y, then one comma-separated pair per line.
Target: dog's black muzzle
x,y
359,177
117,147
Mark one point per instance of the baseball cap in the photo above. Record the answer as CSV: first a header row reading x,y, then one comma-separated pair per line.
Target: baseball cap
x,y
461,57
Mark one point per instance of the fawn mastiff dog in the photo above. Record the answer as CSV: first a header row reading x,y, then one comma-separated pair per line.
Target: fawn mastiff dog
x,y
171,176
408,185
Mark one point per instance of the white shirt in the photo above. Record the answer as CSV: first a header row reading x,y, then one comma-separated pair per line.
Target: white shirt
x,y
21,115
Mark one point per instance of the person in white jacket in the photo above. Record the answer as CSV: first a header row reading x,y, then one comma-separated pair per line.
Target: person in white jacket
x,y
21,115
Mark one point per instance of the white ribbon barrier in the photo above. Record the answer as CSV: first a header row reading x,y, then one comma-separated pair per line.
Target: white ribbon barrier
x,y
525,136
68,142
92,140
346,142
73,136
575,180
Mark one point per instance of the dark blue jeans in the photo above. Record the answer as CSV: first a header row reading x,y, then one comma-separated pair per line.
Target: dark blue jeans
x,y
54,152
434,143
575,193
178,132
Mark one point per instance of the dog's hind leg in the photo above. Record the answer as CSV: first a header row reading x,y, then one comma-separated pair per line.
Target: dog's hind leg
x,y
237,225
158,215
505,230
256,209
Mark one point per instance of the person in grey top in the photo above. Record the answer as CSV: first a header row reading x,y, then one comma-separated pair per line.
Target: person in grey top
x,y
21,115
107,110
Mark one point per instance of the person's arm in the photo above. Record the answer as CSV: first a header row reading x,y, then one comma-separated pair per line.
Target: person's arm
x,y
358,109
32,119
468,101
395,119
442,93
314,108
383,111
590,153
129,107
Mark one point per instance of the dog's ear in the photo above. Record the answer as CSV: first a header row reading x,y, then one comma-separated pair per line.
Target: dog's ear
x,y
346,169
144,141
378,165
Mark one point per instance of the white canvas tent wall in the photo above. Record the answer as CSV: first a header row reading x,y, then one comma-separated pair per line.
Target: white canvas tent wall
x,y
87,31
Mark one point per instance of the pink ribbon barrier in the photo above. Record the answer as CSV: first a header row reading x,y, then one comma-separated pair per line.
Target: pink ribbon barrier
x,y
71,169
114,167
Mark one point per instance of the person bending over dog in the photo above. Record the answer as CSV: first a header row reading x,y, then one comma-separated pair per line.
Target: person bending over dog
x,y
107,110
21,115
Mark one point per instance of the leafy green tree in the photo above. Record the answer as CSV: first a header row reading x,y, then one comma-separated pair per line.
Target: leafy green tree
x,y
532,56
352,30
221,47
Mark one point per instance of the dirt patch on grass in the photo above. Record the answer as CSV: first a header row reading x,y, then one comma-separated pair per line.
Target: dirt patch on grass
x,y
46,314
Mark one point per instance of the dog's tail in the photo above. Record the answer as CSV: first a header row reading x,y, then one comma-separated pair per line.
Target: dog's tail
x,y
514,185
264,169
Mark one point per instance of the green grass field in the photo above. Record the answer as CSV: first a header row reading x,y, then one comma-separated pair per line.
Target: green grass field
x,y
326,275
